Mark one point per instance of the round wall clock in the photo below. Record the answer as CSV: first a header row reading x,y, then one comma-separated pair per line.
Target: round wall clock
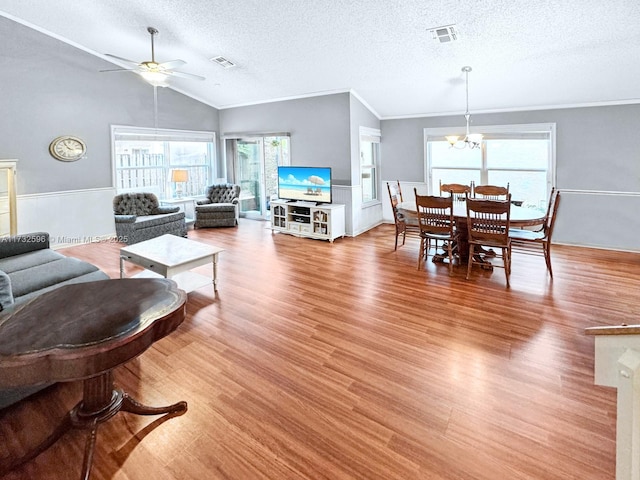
x,y
67,148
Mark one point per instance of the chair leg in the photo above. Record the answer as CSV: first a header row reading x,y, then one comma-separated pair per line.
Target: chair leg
x,y
396,246
421,252
547,257
450,251
470,262
506,255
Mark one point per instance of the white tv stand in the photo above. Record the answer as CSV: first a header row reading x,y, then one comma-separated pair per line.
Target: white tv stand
x,y
303,219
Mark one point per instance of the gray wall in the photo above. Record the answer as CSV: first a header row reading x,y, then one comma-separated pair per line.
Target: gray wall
x,y
593,147
597,166
361,116
50,88
319,128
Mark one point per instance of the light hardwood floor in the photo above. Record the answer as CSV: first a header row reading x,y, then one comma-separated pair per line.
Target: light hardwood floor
x,y
343,361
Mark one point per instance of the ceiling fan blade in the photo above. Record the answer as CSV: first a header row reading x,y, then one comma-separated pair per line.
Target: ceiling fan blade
x,y
120,70
171,64
190,76
123,59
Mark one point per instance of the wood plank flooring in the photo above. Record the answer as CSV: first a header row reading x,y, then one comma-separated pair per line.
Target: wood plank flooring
x,y
343,361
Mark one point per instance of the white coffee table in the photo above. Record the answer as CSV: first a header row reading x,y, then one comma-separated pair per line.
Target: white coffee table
x,y
173,257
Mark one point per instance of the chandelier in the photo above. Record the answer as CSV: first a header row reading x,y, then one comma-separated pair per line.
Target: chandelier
x,y
470,140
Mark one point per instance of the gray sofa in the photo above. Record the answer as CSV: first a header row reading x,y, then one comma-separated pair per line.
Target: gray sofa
x,y
220,208
28,268
140,217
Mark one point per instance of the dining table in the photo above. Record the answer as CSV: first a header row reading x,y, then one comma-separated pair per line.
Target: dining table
x,y
519,217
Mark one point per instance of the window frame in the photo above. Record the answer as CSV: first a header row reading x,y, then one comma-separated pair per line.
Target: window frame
x,y
372,136
163,135
545,129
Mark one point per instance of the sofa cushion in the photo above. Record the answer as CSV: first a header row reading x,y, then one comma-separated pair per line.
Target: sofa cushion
x,y
23,243
6,294
153,220
87,277
29,260
51,273
217,207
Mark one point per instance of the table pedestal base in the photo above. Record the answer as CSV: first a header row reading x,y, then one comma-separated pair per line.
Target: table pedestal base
x,y
100,402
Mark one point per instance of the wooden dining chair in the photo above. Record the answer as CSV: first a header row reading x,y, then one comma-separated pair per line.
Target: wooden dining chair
x,y
539,241
488,225
399,190
491,192
435,217
457,190
403,225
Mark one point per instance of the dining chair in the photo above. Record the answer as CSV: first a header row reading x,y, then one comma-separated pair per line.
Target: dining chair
x,y
530,241
490,192
435,217
457,190
403,225
399,190
488,225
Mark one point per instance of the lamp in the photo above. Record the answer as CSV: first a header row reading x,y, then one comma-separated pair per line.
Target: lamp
x,y
471,140
179,177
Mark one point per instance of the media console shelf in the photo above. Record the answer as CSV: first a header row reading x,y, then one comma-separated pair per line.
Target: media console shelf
x,y
324,222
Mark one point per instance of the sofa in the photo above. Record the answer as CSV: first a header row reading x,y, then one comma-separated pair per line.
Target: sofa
x,y
28,268
140,217
220,208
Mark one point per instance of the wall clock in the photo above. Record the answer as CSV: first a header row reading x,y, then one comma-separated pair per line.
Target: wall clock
x,y
67,148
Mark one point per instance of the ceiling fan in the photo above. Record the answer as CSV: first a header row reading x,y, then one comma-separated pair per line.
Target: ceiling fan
x,y
153,72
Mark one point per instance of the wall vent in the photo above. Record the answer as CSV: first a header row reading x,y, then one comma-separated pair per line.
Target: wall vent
x,y
223,62
444,34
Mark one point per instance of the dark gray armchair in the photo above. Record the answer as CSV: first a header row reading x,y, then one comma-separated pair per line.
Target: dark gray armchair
x,y
140,217
220,208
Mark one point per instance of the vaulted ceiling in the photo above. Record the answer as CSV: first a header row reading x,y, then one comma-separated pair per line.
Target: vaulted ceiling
x,y
524,54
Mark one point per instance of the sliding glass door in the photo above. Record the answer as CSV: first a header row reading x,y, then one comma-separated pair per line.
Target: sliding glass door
x,y
255,164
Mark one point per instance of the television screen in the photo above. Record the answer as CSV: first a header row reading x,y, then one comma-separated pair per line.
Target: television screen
x,y
311,184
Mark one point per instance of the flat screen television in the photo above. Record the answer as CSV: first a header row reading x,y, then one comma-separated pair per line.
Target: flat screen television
x,y
309,184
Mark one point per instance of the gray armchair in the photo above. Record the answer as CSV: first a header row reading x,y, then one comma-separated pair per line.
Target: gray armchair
x,y
220,208
140,217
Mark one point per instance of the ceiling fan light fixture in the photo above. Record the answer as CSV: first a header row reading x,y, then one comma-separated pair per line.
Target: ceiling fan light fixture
x,y
155,78
153,72
470,140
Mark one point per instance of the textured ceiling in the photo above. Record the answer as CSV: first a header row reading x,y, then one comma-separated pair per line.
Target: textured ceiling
x,y
525,54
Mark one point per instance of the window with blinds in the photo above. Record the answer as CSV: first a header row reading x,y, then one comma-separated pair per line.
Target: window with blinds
x,y
521,156
144,158
369,162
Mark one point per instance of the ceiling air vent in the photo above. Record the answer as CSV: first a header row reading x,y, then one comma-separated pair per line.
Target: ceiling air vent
x,y
223,62
445,34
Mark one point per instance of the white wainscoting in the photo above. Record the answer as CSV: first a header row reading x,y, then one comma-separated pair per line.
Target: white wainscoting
x,y
342,194
598,219
359,218
70,218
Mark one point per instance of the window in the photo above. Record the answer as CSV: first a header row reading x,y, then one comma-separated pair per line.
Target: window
x,y
369,159
518,155
144,159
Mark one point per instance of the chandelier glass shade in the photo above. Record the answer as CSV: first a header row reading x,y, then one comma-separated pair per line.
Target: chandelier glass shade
x,y
470,140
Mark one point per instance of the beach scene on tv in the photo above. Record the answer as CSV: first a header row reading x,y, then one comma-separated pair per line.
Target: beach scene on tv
x,y
305,183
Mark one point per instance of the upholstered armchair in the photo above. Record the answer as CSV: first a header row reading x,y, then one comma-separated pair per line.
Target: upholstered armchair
x,y
220,208
140,217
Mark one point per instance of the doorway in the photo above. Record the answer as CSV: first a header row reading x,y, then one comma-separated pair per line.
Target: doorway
x,y
255,164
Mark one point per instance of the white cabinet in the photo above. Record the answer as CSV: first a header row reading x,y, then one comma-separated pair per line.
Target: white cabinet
x,y
324,222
